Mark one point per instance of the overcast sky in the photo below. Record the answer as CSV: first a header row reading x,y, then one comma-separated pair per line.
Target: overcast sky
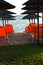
x,y
18,4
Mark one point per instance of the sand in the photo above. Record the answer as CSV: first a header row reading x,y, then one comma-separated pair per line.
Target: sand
x,y
18,38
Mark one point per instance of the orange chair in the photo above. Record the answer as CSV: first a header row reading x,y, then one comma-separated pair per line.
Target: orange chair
x,y
9,29
36,34
2,33
31,28
26,29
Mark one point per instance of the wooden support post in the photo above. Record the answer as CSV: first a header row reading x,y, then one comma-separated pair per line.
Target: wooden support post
x,y
7,21
3,22
32,20
42,25
29,21
38,26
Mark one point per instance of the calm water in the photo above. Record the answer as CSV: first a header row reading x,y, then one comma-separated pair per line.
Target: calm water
x,y
18,24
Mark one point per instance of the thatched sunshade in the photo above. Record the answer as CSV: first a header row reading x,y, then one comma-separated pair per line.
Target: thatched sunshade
x,y
10,18
6,17
38,3
5,5
4,12
33,2
31,11
32,8
31,16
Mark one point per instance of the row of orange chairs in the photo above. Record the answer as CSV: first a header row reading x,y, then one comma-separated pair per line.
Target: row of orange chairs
x,y
30,28
33,28
8,29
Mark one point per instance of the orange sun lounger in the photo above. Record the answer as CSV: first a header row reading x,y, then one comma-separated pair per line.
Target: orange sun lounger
x,y
30,28
40,32
9,29
36,34
2,33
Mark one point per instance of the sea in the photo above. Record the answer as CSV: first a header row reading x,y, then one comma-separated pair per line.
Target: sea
x,y
19,24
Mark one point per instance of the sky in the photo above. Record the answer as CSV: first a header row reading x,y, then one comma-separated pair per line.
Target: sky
x,y
18,4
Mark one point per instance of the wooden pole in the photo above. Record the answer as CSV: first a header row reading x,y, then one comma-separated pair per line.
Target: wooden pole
x,y
38,21
42,25
3,22
34,17
32,20
7,21
38,26
29,21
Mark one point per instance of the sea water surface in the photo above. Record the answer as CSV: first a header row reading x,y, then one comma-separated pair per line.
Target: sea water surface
x,y
19,24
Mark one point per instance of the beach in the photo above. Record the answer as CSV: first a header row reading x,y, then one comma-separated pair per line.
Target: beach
x,y
19,38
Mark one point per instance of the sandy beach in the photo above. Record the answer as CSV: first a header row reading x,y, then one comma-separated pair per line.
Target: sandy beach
x,y
23,38
19,38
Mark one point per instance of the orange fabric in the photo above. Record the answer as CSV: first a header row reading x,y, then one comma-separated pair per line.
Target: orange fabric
x,y
9,28
31,28
27,29
38,30
40,25
2,32
34,28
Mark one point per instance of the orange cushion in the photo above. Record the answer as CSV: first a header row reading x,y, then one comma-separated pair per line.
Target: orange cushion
x,y
31,28
2,31
9,28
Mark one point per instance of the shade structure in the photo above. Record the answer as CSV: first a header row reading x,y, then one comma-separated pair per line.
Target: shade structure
x,y
33,2
39,7
5,12
10,18
32,8
31,11
31,16
33,5
6,17
5,5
